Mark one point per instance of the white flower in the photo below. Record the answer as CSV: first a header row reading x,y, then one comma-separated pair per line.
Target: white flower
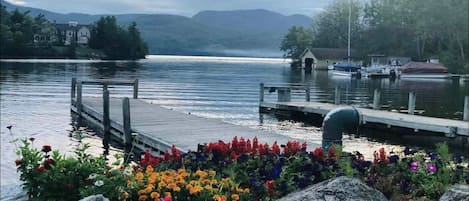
x,y
99,183
92,176
127,172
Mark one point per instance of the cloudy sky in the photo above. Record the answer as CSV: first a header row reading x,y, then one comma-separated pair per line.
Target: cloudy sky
x,y
179,7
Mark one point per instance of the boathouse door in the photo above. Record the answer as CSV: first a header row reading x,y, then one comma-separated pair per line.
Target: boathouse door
x,y
309,64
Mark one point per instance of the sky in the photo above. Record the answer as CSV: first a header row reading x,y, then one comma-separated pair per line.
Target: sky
x,y
178,7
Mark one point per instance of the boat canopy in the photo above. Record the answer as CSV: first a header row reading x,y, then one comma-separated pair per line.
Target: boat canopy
x,y
348,67
423,67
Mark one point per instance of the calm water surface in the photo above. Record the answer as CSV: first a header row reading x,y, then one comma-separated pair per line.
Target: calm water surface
x,y
35,98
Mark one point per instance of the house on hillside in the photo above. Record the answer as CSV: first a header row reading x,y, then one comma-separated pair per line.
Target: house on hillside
x,y
321,58
73,32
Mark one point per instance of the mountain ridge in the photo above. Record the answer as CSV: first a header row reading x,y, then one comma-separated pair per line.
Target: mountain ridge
x,y
249,32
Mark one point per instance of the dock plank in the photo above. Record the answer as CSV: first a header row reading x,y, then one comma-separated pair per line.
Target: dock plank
x,y
183,130
415,122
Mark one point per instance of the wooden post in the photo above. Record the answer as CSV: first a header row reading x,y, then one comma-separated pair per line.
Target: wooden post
x,y
337,96
106,121
136,89
261,92
73,89
283,94
376,99
411,106
308,94
466,109
104,87
127,128
79,101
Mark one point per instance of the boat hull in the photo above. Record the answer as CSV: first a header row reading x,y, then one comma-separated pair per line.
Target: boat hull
x,y
424,76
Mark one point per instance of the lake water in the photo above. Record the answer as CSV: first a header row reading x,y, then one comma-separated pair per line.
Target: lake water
x,y
35,98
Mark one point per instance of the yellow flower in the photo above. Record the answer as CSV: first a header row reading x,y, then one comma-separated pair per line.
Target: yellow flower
x,y
139,176
167,194
149,169
235,197
176,189
155,195
214,182
142,198
208,187
206,181
195,190
212,173
124,195
216,197
201,174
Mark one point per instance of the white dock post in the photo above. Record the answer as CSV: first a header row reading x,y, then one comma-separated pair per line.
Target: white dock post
x,y
337,96
376,99
466,109
411,107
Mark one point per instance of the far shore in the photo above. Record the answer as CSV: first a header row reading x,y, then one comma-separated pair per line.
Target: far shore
x,y
157,57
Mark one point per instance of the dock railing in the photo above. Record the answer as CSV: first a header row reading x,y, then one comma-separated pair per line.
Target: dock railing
x,y
76,100
284,94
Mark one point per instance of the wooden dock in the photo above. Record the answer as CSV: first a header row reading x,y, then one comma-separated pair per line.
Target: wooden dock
x,y
369,117
147,126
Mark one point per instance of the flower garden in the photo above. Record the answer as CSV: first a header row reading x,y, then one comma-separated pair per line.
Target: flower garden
x,y
243,169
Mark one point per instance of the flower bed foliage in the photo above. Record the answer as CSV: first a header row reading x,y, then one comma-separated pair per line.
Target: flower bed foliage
x,y
239,170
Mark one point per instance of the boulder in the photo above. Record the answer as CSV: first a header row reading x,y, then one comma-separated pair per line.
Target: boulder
x,y
456,193
98,197
337,189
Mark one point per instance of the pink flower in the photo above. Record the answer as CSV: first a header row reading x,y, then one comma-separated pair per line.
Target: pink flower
x,y
46,148
431,168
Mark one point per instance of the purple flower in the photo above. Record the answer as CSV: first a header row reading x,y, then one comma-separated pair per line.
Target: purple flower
x,y
414,168
431,168
433,156
414,165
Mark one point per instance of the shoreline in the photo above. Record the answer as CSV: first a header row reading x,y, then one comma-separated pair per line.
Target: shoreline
x,y
150,58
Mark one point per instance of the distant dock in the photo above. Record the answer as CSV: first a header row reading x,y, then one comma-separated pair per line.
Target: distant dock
x,y
369,117
146,126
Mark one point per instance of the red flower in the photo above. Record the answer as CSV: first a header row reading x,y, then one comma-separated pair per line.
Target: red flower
x,y
167,156
40,168
46,148
270,186
234,156
318,153
380,157
175,152
248,146
275,148
48,163
70,186
331,153
18,162
167,198
32,139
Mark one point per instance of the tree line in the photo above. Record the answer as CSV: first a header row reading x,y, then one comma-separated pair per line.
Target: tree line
x,y
18,29
420,29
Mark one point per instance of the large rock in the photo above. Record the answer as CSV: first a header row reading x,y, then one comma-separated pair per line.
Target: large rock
x,y
456,193
338,189
98,197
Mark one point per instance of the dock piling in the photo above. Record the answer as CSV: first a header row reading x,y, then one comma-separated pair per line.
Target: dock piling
x,y
284,94
411,107
466,109
376,99
79,101
308,94
126,125
106,121
73,89
337,96
261,92
136,89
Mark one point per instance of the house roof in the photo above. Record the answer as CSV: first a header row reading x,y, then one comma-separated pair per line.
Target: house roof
x,y
69,27
328,53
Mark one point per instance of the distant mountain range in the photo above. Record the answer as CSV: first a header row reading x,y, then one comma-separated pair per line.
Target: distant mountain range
x,y
222,33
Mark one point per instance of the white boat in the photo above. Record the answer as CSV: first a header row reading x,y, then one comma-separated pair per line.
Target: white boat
x,y
346,69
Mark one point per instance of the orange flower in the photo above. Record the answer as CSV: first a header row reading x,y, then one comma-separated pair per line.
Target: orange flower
x,y
124,195
235,197
142,198
155,195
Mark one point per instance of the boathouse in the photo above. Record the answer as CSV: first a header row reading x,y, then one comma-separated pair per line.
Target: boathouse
x,y
321,58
